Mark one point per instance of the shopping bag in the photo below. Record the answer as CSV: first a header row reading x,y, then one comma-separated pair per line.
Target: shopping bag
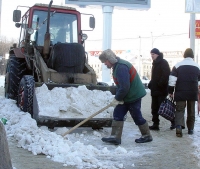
x,y
167,109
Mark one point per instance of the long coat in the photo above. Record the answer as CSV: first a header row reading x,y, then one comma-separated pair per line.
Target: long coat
x,y
159,77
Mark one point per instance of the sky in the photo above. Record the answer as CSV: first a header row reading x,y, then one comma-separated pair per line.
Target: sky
x,y
165,26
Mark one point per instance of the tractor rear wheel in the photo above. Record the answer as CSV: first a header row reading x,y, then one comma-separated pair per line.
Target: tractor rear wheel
x,y
25,94
15,70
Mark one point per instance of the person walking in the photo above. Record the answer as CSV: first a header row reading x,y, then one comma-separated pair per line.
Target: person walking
x,y
158,86
184,81
130,91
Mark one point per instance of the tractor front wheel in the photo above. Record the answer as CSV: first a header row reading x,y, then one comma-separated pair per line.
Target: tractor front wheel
x,y
25,94
15,70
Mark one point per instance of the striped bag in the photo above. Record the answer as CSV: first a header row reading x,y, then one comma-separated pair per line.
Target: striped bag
x,y
167,109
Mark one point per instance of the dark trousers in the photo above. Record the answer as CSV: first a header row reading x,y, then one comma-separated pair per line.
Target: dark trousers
x,y
134,108
155,104
180,111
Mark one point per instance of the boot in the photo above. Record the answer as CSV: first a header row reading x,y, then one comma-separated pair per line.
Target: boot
x,y
154,127
179,131
116,133
146,136
190,131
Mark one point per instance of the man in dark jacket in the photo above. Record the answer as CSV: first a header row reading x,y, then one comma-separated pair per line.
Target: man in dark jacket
x,y
183,86
130,91
158,85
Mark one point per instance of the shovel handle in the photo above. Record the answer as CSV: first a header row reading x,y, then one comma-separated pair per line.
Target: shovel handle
x,y
82,122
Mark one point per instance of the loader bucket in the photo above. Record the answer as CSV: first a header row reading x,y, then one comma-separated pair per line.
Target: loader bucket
x,y
51,122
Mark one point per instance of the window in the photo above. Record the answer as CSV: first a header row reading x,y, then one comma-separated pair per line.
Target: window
x,y
23,29
63,28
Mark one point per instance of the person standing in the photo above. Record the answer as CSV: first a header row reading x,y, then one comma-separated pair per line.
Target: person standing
x,y
183,87
158,86
130,91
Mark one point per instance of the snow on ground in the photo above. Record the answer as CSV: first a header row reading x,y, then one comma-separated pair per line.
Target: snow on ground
x,y
196,136
42,141
67,150
2,80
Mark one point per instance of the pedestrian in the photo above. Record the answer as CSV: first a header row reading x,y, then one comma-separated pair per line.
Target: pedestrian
x,y
130,91
158,86
183,87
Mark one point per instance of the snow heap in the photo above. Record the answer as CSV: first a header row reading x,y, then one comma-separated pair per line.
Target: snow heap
x,y
73,102
66,150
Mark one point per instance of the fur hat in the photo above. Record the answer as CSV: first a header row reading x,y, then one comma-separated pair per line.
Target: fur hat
x,y
108,55
188,53
155,50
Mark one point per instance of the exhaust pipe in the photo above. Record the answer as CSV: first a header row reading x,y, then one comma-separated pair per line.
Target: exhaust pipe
x,y
47,34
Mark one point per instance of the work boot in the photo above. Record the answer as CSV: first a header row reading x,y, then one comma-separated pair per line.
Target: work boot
x,y
146,136
154,127
179,131
172,125
190,131
116,133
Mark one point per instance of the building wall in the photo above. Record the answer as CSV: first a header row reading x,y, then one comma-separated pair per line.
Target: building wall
x,y
96,64
171,56
143,65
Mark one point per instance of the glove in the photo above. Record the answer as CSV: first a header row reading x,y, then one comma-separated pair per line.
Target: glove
x,y
171,95
116,102
149,85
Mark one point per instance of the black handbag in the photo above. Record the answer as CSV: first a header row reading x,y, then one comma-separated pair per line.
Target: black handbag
x,y
167,109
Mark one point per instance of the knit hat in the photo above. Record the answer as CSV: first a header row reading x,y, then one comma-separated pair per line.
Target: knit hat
x,y
155,50
108,55
188,53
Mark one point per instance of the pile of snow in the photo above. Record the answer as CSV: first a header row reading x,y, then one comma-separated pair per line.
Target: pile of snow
x,y
29,136
70,150
73,102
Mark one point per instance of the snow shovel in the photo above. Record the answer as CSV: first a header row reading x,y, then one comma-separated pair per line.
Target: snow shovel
x,y
82,122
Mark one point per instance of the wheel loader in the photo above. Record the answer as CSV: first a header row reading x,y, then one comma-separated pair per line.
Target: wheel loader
x,y
51,51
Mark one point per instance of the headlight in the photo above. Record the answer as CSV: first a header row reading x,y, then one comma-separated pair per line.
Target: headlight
x,y
30,30
84,36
